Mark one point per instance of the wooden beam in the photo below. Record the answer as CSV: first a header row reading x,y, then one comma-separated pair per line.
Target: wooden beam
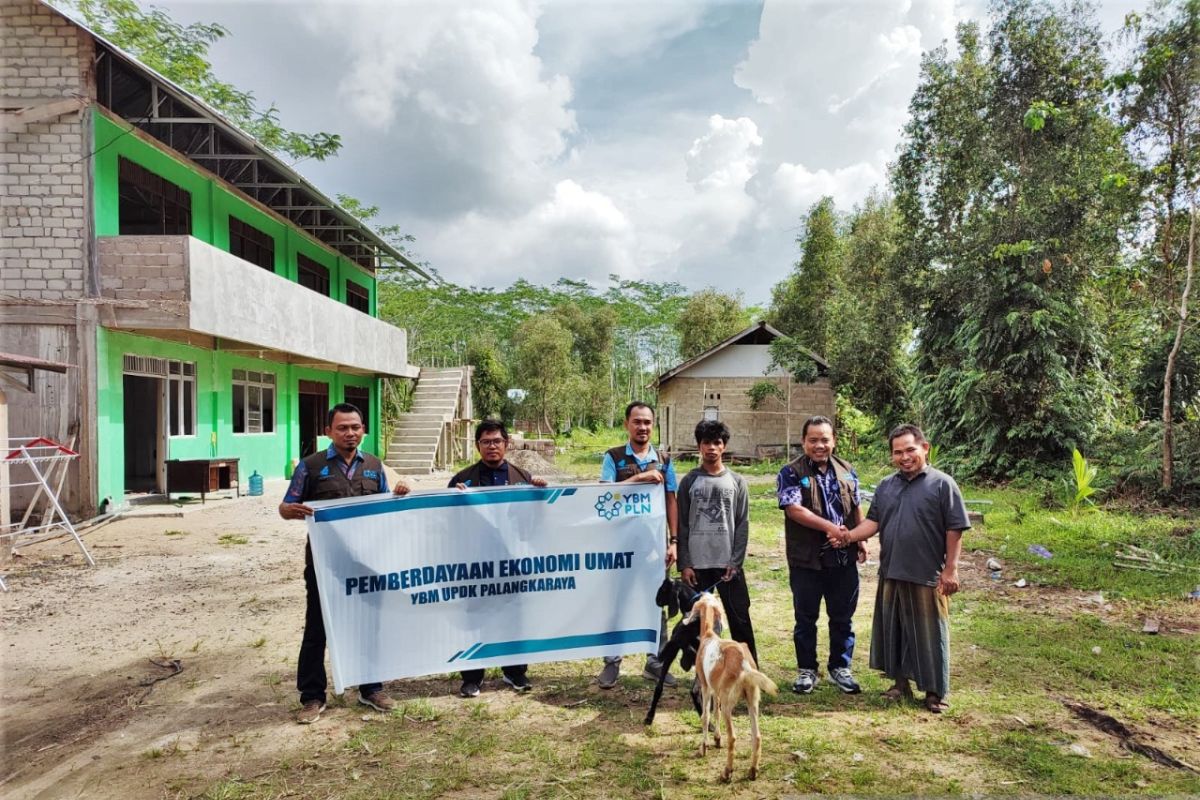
x,y
38,112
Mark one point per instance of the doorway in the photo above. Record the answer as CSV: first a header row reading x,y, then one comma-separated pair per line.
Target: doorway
x,y
314,405
145,447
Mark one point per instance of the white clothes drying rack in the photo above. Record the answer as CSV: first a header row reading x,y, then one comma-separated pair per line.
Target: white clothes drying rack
x,y
46,461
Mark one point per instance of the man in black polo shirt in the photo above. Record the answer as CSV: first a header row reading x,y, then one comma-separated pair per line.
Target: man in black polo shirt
x,y
920,515
341,470
491,440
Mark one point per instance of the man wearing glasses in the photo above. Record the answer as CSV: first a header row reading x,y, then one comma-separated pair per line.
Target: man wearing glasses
x,y
491,440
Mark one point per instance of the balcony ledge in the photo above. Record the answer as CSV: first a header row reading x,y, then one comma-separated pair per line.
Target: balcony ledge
x,y
190,291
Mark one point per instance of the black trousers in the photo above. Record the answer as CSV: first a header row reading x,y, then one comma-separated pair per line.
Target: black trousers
x,y
837,585
735,597
515,673
310,670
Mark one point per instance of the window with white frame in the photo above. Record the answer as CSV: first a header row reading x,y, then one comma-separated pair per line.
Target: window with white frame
x,y
253,402
181,398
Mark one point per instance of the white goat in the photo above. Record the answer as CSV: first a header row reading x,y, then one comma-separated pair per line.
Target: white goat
x,y
727,673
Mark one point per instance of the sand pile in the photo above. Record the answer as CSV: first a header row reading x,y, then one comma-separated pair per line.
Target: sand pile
x,y
534,464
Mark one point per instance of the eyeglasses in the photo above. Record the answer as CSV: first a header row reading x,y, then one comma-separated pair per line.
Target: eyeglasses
x,y
489,442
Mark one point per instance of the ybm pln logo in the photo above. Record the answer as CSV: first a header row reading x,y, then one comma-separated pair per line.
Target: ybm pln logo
x,y
611,505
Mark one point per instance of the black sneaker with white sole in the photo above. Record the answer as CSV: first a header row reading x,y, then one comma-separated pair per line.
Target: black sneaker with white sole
x,y
841,678
469,689
520,684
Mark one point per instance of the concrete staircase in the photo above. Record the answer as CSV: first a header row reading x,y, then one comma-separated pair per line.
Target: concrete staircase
x,y
414,446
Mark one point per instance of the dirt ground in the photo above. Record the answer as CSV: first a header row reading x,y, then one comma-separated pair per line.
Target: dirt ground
x,y
86,710
220,590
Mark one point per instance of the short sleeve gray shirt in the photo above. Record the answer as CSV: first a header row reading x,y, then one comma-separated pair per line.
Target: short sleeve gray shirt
x,y
714,520
913,518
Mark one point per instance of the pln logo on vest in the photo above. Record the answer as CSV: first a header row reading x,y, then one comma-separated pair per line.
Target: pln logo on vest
x,y
611,505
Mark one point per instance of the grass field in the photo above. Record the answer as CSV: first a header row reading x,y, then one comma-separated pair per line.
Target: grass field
x,y
1019,655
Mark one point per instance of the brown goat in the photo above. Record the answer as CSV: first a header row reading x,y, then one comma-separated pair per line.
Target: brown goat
x,y
727,673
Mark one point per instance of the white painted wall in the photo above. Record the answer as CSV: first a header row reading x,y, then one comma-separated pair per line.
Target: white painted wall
x,y
735,361
234,299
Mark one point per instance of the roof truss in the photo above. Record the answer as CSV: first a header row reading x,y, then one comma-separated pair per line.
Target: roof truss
x,y
169,114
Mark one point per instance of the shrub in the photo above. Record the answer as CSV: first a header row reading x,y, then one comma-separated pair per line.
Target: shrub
x,y
1132,458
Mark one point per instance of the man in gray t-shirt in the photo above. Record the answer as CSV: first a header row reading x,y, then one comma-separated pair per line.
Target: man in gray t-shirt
x,y
714,529
920,515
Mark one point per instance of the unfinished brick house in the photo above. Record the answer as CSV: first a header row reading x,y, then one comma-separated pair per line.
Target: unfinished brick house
x,y
716,385
210,301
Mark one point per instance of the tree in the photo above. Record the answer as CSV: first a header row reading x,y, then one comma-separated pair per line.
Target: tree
x,y
866,352
180,53
709,318
1008,212
545,369
798,303
592,330
789,354
1161,110
490,378
646,343
621,335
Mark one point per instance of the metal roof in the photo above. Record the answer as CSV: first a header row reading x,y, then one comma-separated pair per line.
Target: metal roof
x,y
755,333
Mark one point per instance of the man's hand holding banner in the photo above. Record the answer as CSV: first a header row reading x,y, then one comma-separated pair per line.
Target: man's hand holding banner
x,y
441,581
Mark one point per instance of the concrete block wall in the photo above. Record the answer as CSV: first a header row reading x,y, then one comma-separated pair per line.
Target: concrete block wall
x,y
43,186
143,267
769,425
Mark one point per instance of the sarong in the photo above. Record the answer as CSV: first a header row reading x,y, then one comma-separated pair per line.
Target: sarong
x,y
910,635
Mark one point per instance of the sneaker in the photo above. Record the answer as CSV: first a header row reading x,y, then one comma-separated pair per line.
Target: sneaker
x,y
842,679
608,676
310,712
652,671
805,681
378,701
469,689
521,684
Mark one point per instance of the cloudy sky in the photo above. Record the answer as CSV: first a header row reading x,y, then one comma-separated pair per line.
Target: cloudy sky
x,y
655,139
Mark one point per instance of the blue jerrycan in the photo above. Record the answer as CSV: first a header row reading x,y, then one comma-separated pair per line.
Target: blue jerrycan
x,y
256,484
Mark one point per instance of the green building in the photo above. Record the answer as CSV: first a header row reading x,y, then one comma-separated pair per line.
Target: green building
x,y
213,304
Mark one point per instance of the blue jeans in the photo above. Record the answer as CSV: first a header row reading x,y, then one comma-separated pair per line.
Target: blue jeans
x,y
838,586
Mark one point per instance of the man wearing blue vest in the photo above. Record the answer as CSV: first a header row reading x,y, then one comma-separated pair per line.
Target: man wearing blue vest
x,y
638,462
341,470
819,496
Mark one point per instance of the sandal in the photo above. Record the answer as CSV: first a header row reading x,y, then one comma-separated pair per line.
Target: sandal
x,y
935,704
897,692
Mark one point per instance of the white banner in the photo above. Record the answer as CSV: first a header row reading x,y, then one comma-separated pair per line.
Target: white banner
x,y
437,582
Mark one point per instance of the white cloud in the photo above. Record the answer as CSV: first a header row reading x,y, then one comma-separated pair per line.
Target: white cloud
x,y
708,130
838,76
792,189
726,156
457,85
575,232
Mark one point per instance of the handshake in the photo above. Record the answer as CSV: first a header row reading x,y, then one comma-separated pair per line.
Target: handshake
x,y
839,537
